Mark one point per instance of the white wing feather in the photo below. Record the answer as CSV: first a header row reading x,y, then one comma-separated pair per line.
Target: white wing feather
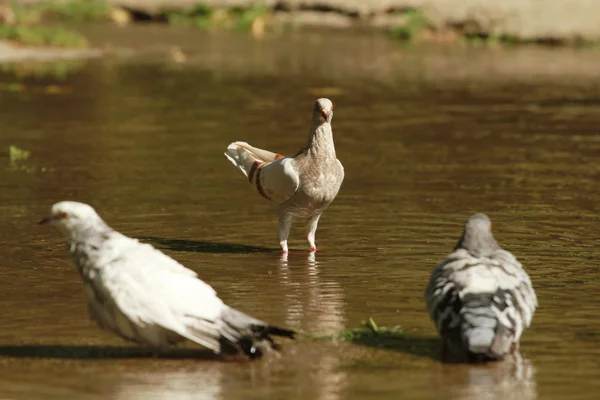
x,y
150,288
280,179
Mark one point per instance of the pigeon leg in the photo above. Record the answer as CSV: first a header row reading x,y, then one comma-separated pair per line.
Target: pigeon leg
x,y
285,224
311,230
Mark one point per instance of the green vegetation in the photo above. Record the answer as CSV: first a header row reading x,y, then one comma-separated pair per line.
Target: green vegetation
x,y
244,18
42,35
39,24
394,338
492,39
67,11
369,330
200,17
205,17
79,10
369,334
17,155
415,24
18,159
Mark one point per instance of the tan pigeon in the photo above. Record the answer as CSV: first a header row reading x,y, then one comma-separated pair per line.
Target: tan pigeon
x,y
145,296
302,185
480,297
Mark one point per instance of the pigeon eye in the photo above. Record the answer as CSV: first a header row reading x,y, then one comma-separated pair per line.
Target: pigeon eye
x,y
62,215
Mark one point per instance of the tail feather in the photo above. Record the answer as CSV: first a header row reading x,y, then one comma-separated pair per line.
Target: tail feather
x,y
478,340
243,156
203,332
483,335
251,335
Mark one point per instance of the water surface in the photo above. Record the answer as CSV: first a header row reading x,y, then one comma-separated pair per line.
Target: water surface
x,y
427,137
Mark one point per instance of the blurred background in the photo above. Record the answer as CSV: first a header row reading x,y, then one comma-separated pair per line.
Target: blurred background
x,y
442,108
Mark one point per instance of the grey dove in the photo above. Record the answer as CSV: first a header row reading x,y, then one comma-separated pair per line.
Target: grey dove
x,y
145,296
480,297
302,185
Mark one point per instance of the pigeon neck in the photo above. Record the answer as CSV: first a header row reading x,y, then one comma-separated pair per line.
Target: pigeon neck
x,y
478,244
88,238
320,142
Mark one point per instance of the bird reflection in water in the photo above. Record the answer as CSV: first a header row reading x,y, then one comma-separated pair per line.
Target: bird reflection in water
x,y
312,303
513,378
315,304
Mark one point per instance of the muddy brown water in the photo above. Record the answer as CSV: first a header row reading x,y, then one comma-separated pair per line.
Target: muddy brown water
x,y
427,137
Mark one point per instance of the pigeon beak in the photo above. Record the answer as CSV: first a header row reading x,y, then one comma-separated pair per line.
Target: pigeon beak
x,y
48,219
325,114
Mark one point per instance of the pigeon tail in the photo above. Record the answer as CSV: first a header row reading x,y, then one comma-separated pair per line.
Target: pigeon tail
x,y
484,337
478,342
250,335
246,157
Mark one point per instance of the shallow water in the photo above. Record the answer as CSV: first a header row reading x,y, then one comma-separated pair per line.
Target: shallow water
x,y
427,137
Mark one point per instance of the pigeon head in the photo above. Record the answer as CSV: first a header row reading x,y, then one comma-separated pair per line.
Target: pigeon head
x,y
71,216
477,237
323,111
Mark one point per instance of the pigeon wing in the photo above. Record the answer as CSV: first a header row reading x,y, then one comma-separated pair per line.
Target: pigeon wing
x,y
150,288
279,180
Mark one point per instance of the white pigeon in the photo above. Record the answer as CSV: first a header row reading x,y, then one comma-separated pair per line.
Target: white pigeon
x,y
302,185
145,296
480,297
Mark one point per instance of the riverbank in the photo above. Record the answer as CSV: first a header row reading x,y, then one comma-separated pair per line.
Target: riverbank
x,y
526,20
544,21
432,21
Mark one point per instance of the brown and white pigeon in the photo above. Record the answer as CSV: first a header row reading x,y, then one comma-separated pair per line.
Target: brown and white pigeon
x,y
302,185
480,297
145,296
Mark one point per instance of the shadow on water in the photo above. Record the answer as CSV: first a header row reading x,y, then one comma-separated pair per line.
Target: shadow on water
x,y
206,247
99,352
394,339
418,346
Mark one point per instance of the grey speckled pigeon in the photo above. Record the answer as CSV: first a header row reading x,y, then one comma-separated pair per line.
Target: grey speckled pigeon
x,y
480,297
302,185
145,296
